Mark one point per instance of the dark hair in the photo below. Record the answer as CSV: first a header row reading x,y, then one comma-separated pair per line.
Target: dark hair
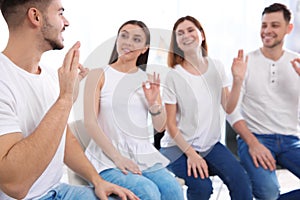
x,y
176,55
277,7
14,11
143,58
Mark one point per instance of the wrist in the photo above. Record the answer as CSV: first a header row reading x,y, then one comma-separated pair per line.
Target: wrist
x,y
237,80
155,109
190,152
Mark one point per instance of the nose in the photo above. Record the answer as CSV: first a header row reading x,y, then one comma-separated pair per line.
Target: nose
x,y
128,41
66,22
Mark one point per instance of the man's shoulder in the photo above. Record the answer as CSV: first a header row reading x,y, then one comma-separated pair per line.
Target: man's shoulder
x,y
291,53
255,52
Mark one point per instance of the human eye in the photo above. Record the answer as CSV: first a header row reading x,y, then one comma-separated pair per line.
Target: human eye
x,y
179,33
61,11
123,35
275,25
137,39
191,30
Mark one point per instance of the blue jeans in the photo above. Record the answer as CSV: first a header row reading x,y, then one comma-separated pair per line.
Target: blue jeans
x,y
66,192
220,162
155,183
286,151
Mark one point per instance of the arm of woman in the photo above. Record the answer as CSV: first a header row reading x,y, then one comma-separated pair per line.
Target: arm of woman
x,y
196,164
76,160
92,92
152,93
238,69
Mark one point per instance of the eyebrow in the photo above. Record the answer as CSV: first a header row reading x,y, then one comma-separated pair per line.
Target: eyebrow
x,y
188,28
136,35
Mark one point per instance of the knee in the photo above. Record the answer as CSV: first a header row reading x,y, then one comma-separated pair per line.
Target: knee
x,y
199,191
239,182
172,190
147,191
267,191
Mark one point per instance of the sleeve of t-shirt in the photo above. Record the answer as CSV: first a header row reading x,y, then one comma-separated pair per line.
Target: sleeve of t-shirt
x,y
9,122
224,77
169,93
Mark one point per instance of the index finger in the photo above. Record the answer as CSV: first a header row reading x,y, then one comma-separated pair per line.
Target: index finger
x,y
125,194
75,60
241,54
69,56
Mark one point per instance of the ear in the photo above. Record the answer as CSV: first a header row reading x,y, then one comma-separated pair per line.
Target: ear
x,y
34,16
145,49
290,28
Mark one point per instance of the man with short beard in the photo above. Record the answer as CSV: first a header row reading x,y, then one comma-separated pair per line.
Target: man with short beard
x,y
267,118
35,140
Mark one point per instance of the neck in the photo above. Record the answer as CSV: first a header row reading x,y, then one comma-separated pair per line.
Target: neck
x,y
22,51
125,67
194,59
272,53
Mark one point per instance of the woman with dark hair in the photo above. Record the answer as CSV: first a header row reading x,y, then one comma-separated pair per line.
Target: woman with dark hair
x,y
196,91
117,101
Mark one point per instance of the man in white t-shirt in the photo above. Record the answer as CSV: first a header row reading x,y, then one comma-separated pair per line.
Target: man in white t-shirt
x,y
35,140
267,118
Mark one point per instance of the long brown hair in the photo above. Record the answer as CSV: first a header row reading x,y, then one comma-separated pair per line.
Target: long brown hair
x,y
143,58
175,54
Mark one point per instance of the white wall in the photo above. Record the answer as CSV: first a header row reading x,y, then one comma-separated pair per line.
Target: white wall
x,y
229,25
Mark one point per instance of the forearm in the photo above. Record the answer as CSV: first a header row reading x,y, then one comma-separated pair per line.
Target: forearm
x,y
76,160
101,139
233,97
180,141
241,128
159,120
28,157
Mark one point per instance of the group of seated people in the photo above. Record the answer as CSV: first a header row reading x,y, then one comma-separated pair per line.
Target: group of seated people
x,y
262,104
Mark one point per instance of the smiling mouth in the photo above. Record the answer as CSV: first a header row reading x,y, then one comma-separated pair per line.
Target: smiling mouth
x,y
126,50
188,42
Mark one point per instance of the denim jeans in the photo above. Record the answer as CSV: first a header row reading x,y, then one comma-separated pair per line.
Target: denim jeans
x,y
155,183
73,192
286,151
67,192
220,162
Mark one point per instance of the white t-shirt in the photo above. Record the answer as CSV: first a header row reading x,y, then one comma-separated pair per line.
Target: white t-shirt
x,y
123,118
25,99
270,98
198,99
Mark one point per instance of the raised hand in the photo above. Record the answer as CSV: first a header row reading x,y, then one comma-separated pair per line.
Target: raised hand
x,y
81,74
71,73
295,64
152,89
239,66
